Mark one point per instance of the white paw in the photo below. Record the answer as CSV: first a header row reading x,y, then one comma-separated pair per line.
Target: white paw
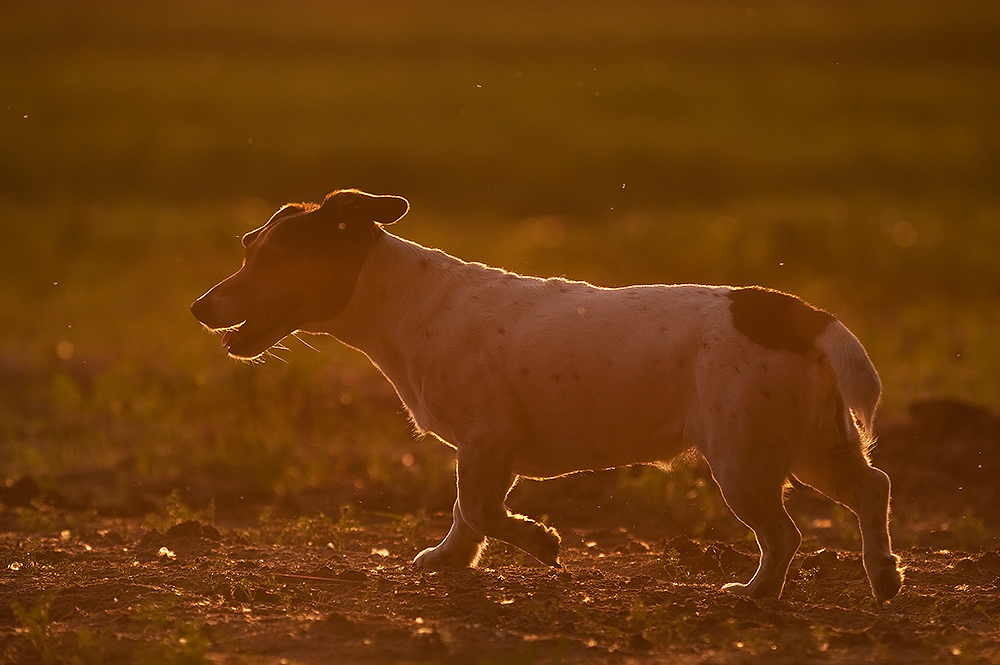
x,y
434,558
754,589
737,589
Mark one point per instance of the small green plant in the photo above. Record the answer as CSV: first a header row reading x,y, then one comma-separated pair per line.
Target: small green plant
x,y
809,584
638,616
37,625
169,641
318,529
344,526
176,511
670,560
412,528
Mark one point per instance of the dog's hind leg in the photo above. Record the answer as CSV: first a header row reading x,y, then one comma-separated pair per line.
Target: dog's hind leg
x,y
753,487
844,475
459,549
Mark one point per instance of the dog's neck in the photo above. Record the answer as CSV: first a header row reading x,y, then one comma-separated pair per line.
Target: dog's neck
x,y
401,288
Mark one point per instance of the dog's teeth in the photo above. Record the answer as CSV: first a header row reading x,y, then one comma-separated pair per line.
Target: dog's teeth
x,y
225,337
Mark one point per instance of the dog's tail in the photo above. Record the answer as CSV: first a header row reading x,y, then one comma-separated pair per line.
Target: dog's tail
x,y
857,379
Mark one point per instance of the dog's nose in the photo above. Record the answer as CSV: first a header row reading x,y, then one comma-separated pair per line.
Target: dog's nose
x,y
214,311
199,309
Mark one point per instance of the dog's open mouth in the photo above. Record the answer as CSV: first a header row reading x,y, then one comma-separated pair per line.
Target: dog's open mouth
x,y
227,333
245,337
246,341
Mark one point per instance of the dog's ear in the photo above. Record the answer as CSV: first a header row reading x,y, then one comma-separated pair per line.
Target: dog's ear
x,y
286,210
384,209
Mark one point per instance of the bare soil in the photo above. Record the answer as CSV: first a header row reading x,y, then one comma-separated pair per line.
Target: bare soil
x,y
296,587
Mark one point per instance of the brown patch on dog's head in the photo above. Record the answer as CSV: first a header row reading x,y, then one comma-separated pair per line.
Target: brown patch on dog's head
x,y
777,320
300,267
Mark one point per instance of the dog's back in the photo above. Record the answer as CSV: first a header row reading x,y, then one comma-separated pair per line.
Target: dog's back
x,y
580,377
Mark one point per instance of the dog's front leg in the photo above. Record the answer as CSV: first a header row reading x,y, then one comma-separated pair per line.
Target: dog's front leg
x,y
485,476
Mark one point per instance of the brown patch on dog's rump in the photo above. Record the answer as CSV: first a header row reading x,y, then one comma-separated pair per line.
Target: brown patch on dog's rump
x,y
777,320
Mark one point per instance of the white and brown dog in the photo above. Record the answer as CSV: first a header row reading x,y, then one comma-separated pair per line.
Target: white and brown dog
x,y
543,377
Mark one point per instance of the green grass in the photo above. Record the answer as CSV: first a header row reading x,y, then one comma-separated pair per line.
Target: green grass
x,y
848,154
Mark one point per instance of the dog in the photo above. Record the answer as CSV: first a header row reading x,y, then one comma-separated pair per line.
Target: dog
x,y
544,377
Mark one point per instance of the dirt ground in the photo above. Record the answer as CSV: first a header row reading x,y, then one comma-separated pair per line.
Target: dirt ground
x,y
298,587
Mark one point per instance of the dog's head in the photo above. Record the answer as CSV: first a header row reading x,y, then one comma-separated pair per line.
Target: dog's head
x,y
299,268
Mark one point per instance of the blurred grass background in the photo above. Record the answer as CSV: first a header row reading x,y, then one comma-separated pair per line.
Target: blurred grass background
x,y
847,152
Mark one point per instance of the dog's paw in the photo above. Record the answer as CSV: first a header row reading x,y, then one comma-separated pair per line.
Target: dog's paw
x,y
750,590
546,546
737,589
434,558
887,581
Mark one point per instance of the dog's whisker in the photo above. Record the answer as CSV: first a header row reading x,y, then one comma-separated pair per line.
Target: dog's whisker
x,y
304,343
277,357
223,330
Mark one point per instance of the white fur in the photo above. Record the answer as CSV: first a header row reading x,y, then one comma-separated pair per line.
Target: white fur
x,y
543,377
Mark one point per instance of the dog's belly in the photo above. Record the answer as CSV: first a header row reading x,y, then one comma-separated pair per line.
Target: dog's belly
x,y
552,456
614,410
607,419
